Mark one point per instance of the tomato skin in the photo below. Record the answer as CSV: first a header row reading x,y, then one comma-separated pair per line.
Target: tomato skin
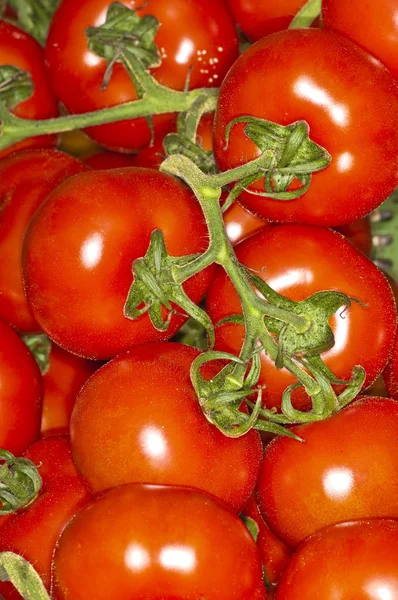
x,y
370,25
201,34
19,49
20,393
297,261
333,476
155,431
53,457
156,542
109,160
300,67
240,223
22,190
65,377
257,18
92,258
359,233
370,548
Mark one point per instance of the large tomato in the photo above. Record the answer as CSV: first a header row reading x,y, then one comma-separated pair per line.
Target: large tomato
x,y
23,188
20,393
153,430
143,541
372,25
195,38
320,77
18,49
297,261
347,469
80,248
348,561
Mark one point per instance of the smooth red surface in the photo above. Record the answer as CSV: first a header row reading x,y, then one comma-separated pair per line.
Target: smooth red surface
x,y
26,179
20,393
157,542
297,261
19,49
321,77
352,561
91,229
109,160
372,25
138,420
193,34
347,469
240,223
65,377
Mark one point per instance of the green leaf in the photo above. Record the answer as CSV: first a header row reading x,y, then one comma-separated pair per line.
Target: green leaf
x,y
23,576
34,16
15,85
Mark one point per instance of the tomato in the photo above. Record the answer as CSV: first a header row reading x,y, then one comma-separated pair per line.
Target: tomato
x,y
93,242
19,49
240,223
20,393
369,549
257,18
53,458
372,25
196,35
275,555
110,160
22,190
156,542
153,430
62,382
333,476
324,79
391,372
359,233
297,261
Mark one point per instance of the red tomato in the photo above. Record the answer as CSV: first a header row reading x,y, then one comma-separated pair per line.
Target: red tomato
x,y
339,94
193,34
348,561
297,261
275,556
372,25
20,393
240,223
20,50
391,372
333,476
157,542
257,18
53,458
66,375
153,429
22,190
109,160
93,227
359,233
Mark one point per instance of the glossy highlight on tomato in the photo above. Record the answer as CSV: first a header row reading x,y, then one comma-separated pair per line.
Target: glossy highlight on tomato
x,y
93,227
323,78
157,542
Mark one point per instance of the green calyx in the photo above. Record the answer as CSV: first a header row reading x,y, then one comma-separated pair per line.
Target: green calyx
x,y
289,154
20,482
15,85
124,34
22,575
155,292
34,16
40,346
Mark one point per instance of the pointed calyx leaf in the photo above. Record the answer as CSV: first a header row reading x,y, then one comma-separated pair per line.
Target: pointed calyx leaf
x,y
155,292
125,33
22,575
15,85
20,482
289,154
34,16
40,346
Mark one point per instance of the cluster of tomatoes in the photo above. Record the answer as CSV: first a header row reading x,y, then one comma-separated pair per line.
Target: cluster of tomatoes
x,y
142,497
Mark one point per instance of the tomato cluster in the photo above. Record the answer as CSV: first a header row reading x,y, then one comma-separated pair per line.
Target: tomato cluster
x,y
252,457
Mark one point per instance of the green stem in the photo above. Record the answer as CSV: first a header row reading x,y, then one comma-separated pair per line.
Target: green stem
x,y
307,14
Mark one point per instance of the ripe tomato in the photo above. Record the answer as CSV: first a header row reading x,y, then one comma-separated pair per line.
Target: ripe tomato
x,y
53,458
372,25
240,223
20,393
62,382
92,228
156,542
359,233
153,430
257,18
339,94
368,548
297,261
109,160
391,372
193,34
19,49
22,190
333,476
